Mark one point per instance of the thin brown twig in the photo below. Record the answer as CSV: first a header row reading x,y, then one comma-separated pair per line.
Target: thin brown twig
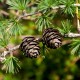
x,y
7,52
4,12
72,35
56,7
26,15
2,56
63,6
30,14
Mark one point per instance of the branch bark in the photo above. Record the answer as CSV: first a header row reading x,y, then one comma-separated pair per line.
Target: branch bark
x,y
7,52
54,8
63,6
72,35
10,50
2,56
30,14
4,12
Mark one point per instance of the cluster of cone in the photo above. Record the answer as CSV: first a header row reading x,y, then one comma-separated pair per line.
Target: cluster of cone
x,y
51,38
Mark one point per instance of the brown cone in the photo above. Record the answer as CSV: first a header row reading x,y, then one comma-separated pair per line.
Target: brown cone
x,y
52,38
30,47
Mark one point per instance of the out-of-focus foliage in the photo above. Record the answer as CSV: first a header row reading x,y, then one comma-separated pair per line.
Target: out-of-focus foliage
x,y
45,4
69,9
44,22
18,4
57,64
9,28
1,0
75,46
11,65
66,27
5,37
16,28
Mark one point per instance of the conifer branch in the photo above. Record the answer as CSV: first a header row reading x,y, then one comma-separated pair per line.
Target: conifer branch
x,y
72,35
10,50
2,56
26,15
63,6
54,8
30,14
4,12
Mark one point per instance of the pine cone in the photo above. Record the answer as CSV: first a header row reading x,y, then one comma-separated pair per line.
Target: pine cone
x,y
30,47
52,38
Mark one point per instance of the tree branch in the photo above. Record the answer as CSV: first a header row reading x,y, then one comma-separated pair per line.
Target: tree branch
x,y
26,15
7,52
72,35
4,12
2,56
56,7
30,14
63,6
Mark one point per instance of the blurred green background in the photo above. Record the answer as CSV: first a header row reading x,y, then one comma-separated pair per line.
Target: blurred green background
x,y
57,64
